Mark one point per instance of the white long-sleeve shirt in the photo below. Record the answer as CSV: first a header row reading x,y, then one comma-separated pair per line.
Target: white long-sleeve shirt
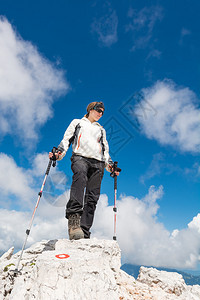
x,y
89,140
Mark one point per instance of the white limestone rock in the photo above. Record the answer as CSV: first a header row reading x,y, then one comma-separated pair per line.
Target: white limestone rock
x,y
88,272
91,272
7,255
171,282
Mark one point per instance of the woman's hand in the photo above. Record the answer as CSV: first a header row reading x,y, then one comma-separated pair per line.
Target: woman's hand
x,y
57,154
111,170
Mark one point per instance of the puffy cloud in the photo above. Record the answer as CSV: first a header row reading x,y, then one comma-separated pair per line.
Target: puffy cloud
x,y
13,225
177,121
39,164
29,85
142,239
195,223
106,28
20,186
15,183
19,191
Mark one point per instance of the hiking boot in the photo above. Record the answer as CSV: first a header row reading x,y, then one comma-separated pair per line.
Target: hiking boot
x,y
74,229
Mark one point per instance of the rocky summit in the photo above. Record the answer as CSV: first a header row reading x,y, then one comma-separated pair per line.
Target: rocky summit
x,y
84,270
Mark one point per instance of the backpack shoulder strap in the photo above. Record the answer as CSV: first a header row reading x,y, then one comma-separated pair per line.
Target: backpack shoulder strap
x,y
71,140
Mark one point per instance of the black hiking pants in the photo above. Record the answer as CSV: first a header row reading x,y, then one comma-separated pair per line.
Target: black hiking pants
x,y
85,189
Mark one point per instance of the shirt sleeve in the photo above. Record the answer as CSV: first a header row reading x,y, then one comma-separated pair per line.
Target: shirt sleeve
x,y
107,158
65,143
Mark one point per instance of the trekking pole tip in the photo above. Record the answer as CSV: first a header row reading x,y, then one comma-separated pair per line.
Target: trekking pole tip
x,y
15,272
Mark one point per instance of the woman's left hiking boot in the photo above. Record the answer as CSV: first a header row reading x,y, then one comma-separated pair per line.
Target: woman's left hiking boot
x,y
74,228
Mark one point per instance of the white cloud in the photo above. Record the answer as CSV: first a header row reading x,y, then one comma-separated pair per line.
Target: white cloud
x,y
106,28
155,168
193,172
12,226
29,85
19,191
142,239
15,183
20,186
177,118
142,21
48,225
39,164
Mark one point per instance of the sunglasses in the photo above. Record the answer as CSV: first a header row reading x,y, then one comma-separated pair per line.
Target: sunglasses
x,y
99,110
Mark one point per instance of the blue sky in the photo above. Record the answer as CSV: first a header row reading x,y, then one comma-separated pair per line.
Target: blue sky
x,y
142,60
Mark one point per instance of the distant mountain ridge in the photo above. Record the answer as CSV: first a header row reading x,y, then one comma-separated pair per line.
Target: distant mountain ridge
x,y
133,270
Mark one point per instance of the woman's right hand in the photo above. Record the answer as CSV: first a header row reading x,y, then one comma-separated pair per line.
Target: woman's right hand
x,y
57,154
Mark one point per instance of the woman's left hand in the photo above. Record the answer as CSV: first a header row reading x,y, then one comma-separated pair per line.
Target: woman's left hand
x,y
111,170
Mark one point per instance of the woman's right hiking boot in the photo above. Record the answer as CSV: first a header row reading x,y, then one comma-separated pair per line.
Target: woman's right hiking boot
x,y
74,228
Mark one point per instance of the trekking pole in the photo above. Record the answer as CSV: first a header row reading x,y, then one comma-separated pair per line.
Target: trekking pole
x,y
115,169
52,161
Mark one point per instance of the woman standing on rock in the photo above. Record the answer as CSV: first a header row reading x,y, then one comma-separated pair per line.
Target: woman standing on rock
x,y
89,158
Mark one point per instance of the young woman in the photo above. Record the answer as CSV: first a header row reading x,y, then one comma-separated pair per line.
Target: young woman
x,y
89,158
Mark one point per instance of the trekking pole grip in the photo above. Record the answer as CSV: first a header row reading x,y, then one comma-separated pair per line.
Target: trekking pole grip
x,y
49,167
51,160
113,175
